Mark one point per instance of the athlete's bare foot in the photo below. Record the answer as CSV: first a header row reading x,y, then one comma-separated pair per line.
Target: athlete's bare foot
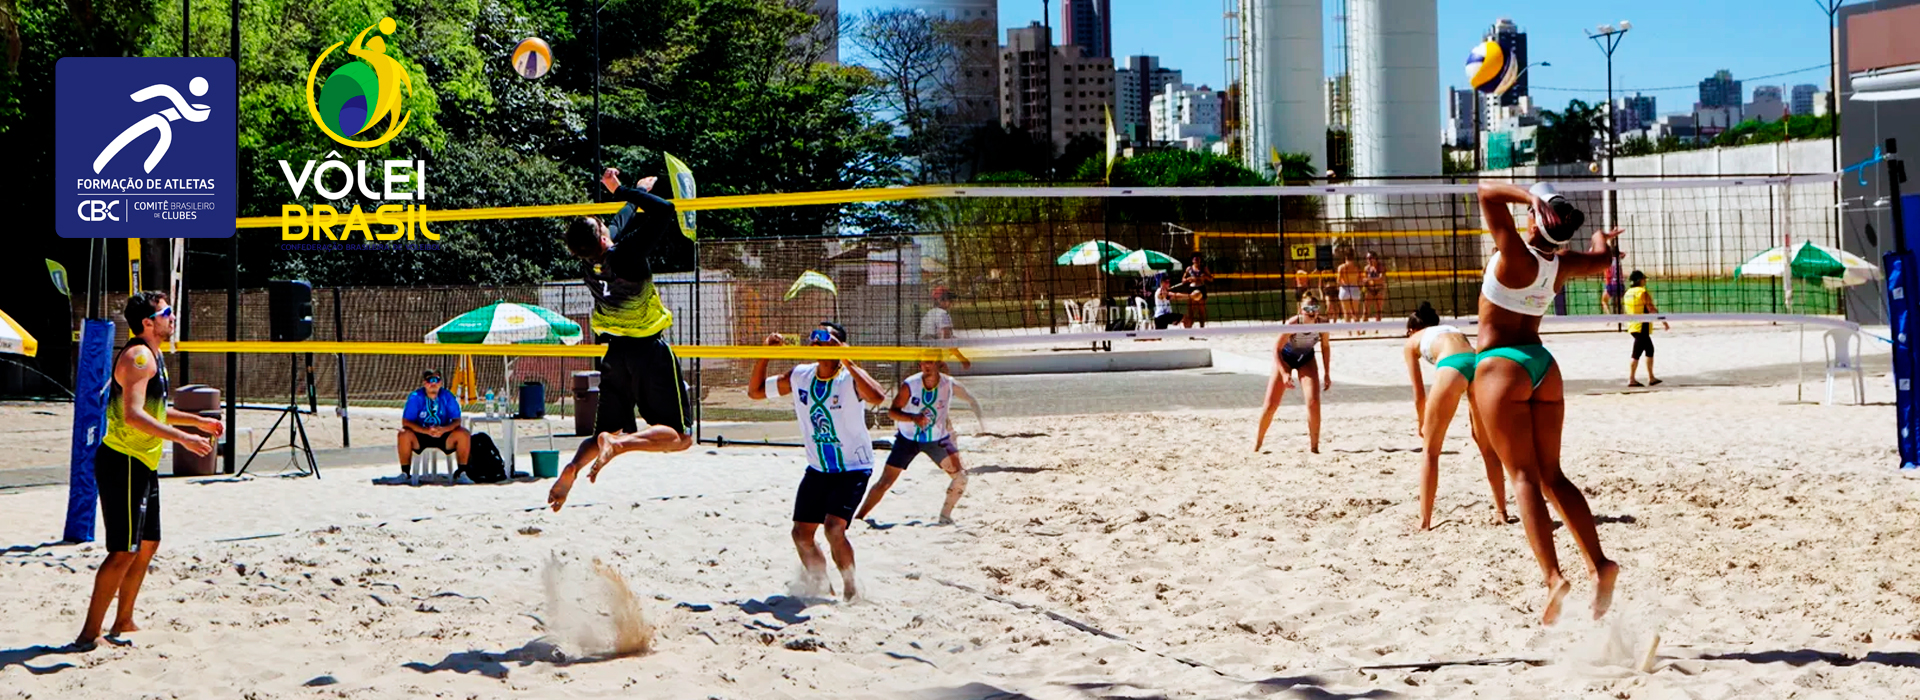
x,y
1607,572
1501,518
557,496
852,591
85,643
946,520
1557,588
605,445
120,628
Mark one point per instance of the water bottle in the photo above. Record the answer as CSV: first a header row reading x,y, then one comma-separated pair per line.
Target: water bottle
x,y
489,403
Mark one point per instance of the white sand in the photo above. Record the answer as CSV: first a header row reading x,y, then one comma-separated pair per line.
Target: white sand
x,y
1770,544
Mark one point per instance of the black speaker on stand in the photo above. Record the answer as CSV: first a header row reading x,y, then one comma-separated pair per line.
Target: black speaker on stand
x,y
290,320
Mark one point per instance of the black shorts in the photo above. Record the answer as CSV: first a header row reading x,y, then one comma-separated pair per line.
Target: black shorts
x,y
905,449
129,499
1295,359
1167,319
1642,342
423,441
640,374
829,493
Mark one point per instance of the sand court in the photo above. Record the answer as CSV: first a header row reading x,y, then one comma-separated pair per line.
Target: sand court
x,y
1128,554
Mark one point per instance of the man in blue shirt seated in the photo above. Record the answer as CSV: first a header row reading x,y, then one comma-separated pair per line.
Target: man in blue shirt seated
x,y
431,420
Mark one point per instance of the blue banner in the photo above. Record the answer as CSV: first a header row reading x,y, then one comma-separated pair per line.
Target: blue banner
x,y
1903,289
92,377
146,147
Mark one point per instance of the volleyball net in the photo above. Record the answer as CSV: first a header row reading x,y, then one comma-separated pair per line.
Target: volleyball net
x,y
913,269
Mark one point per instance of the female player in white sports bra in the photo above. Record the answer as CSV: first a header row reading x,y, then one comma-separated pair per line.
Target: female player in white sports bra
x,y
1294,356
1516,385
1447,349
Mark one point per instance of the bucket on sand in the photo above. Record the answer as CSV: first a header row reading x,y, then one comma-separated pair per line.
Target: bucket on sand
x,y
546,464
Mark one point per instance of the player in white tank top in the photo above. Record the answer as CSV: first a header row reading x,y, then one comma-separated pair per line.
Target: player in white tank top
x,y
1516,386
923,425
829,401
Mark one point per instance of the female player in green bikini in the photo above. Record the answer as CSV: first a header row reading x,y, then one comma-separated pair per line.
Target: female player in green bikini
x,y
1452,357
1516,385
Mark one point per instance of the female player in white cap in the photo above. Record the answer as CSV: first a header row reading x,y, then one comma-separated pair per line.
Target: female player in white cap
x,y
1516,385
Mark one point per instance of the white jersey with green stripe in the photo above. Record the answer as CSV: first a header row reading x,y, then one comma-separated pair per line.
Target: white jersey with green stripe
x,y
832,419
928,400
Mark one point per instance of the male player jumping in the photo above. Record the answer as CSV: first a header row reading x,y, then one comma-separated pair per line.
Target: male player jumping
x,y
639,370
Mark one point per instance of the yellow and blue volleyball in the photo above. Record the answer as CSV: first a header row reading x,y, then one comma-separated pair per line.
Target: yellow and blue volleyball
x,y
1487,65
532,58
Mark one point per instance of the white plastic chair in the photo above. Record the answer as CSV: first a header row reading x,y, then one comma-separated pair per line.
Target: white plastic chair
x,y
1842,348
1074,323
428,461
1141,318
1090,313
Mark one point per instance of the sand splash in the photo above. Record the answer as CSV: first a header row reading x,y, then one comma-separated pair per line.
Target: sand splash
x,y
593,611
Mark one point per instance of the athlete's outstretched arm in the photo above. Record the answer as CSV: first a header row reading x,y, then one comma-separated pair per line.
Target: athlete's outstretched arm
x,y
757,381
1602,255
960,391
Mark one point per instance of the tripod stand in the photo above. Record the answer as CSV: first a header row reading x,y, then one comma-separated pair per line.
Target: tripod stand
x,y
297,443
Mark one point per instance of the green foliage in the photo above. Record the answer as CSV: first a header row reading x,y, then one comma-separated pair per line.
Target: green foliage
x,y
1567,136
733,87
1754,131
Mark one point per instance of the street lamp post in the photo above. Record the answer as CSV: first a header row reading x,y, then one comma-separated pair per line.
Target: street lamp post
x,y
598,167
1607,37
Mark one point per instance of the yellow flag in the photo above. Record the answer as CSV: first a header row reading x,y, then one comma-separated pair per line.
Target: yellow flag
x,y
681,177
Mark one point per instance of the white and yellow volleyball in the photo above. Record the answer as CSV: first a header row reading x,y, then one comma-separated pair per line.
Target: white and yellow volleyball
x,y
1490,69
532,58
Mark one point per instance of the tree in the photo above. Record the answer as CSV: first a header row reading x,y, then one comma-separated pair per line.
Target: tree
x,y
1567,136
913,56
1636,146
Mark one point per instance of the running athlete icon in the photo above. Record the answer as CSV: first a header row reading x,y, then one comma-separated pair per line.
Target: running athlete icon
x,y
161,122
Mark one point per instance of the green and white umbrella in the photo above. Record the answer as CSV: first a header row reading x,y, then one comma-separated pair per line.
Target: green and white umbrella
x,y
507,323
1143,262
811,280
1811,260
1092,253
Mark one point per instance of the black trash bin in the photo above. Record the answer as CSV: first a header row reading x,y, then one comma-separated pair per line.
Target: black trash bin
x,y
585,404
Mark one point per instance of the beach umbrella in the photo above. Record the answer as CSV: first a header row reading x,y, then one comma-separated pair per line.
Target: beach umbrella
x,y
15,339
1092,253
501,323
811,280
1811,260
507,323
1143,262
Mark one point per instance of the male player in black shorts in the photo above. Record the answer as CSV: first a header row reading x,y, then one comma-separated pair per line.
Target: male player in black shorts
x,y
127,463
639,370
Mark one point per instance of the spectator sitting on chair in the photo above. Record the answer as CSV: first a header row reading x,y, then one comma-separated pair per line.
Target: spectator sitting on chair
x,y
431,421
1163,313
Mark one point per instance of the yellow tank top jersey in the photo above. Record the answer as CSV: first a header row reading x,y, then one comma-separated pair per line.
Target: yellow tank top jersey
x,y
1636,303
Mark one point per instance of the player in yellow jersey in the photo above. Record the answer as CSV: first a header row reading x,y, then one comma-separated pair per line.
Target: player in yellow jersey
x,y
127,463
639,371
1640,301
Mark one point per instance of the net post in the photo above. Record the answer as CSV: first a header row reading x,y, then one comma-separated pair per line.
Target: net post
x,y
346,435
1453,247
1901,290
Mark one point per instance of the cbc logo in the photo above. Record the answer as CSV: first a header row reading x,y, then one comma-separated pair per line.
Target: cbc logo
x,y
98,210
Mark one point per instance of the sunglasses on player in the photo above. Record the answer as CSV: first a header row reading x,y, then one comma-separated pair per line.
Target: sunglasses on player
x,y
163,313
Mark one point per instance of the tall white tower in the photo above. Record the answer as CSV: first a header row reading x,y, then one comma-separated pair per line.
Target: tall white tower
x,y
1396,93
1283,100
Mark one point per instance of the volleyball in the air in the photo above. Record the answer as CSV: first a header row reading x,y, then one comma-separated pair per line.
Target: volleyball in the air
x,y
1489,69
532,58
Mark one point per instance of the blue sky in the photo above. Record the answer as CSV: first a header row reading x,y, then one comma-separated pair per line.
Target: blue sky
x,y
1673,42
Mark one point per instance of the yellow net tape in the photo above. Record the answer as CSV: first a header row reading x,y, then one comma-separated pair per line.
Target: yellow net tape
x,y
737,352
745,201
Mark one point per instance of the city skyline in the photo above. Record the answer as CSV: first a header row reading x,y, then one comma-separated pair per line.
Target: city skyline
x,y
1664,55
